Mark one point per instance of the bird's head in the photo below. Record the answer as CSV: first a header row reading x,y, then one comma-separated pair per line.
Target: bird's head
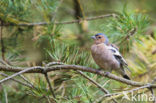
x,y
100,38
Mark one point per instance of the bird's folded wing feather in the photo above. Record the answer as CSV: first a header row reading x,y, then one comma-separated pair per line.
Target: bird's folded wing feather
x,y
117,55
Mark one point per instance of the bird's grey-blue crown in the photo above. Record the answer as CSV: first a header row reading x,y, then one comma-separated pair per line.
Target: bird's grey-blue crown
x,y
107,40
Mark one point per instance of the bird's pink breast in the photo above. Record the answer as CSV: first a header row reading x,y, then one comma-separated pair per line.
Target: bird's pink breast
x,y
103,57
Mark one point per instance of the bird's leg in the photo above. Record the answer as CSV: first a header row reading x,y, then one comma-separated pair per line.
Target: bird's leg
x,y
107,73
99,68
110,70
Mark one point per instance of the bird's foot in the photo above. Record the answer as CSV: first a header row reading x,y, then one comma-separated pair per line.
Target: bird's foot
x,y
106,73
99,68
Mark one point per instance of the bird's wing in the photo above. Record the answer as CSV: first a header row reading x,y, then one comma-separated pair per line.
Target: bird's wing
x,y
118,56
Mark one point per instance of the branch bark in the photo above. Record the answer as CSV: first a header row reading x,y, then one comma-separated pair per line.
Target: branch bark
x,y
39,69
64,22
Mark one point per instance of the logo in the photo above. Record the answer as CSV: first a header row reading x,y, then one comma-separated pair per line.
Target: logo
x,y
125,96
130,96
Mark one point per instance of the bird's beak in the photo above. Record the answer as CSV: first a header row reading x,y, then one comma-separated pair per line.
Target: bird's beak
x,y
93,37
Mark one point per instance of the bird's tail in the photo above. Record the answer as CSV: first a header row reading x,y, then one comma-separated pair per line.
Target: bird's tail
x,y
126,77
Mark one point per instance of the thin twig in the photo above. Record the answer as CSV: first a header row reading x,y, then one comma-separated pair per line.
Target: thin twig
x,y
48,99
135,89
6,96
18,73
55,12
25,79
54,63
95,83
3,62
154,51
151,89
50,87
152,92
18,81
121,93
130,34
64,22
46,76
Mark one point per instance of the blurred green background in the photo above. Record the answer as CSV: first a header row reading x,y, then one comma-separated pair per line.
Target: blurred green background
x,y
133,30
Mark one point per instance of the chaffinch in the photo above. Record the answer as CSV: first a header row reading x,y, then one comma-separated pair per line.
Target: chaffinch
x,y
107,56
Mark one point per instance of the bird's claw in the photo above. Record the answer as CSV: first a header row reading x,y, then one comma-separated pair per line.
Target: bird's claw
x,y
106,73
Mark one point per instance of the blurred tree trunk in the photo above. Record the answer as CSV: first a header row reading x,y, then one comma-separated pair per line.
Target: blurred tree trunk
x,y
83,27
78,13
2,43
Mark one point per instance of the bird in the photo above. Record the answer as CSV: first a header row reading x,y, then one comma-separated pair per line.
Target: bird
x,y
107,55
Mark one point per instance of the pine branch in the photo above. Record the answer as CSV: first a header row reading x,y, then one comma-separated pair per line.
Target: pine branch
x,y
95,83
128,36
39,69
64,22
18,81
